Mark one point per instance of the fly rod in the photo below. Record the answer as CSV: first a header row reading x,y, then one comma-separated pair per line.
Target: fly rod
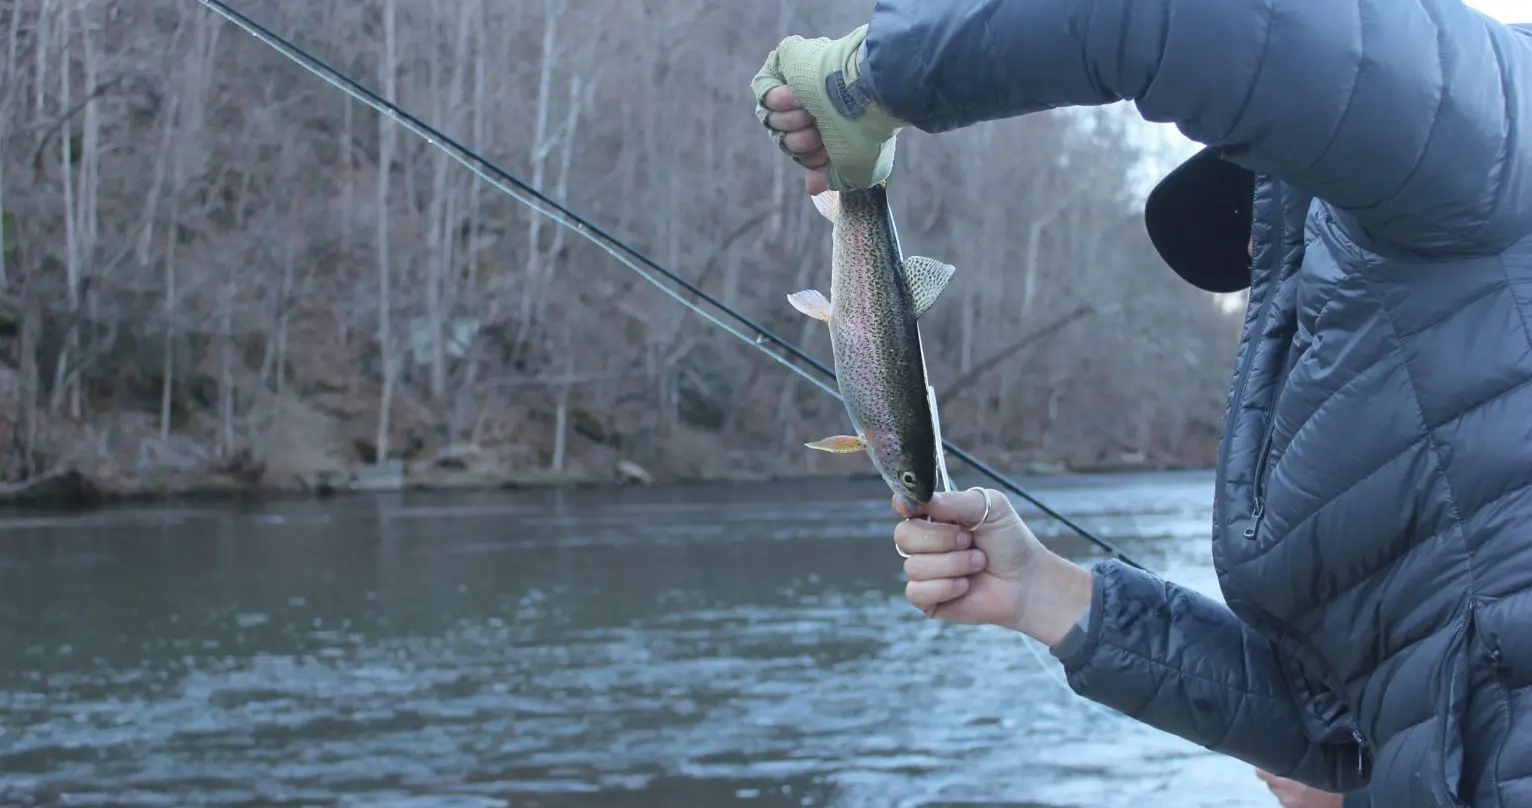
x,y
512,186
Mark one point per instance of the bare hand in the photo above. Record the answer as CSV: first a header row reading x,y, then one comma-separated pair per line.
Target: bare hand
x,y
799,136
1293,794
960,572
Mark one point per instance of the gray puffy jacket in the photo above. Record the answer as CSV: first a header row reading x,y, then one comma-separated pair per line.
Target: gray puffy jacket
x,y
1379,621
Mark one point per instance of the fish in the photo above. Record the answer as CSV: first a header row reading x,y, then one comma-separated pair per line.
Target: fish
x,y
876,300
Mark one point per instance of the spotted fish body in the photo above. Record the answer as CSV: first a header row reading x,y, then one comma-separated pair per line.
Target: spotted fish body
x,y
876,299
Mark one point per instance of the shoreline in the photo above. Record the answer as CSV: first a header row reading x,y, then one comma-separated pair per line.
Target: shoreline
x,y
72,491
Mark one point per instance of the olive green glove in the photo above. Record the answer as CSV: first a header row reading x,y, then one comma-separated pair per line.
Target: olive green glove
x,y
858,133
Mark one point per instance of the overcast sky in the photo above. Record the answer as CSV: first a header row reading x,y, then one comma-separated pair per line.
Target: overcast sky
x,y
1507,10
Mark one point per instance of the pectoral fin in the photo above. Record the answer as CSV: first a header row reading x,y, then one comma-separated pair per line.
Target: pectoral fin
x,y
839,444
812,303
926,278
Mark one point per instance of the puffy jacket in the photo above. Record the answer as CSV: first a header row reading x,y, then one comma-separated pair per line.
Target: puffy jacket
x,y
1372,525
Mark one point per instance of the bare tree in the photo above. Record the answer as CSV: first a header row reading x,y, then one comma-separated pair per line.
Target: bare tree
x,y
184,252
387,134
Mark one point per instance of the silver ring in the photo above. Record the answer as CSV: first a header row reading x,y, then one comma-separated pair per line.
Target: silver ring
x,y
900,550
985,517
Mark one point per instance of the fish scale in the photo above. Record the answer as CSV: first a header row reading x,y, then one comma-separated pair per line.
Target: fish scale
x,y
876,300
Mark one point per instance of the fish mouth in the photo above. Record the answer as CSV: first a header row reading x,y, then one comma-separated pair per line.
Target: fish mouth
x,y
904,496
913,496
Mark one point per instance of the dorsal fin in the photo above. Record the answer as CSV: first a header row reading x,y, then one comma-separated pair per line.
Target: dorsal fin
x,y
926,278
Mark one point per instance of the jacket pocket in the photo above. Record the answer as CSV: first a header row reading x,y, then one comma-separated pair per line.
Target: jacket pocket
x,y
1451,711
1423,767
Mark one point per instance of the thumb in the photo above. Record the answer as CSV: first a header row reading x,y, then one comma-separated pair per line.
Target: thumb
x,y
768,78
964,508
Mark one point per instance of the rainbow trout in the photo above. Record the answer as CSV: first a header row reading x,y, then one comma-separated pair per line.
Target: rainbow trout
x,y
876,298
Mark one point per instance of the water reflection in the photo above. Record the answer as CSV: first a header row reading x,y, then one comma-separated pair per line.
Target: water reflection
x,y
712,645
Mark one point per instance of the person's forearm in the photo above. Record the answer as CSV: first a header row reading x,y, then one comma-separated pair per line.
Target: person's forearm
x,y
1182,662
1056,594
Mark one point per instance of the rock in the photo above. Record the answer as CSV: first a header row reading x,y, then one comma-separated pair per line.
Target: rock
x,y
630,472
322,483
1044,468
385,476
301,443
67,488
465,479
365,449
459,456
243,467
589,426
10,315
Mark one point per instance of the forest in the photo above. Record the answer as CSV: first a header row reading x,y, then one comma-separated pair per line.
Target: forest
x,y
219,272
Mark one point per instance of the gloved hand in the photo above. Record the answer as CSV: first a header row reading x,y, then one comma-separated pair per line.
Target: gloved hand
x,y
858,134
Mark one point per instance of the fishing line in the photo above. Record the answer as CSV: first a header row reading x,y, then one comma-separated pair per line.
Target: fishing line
x,y
519,190
1051,671
515,188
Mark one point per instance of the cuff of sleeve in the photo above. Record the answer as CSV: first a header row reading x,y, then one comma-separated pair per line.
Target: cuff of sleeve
x,y
1080,642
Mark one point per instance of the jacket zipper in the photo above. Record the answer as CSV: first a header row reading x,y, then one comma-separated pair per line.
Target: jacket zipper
x,y
1258,485
1269,295
1244,378
1263,459
1361,754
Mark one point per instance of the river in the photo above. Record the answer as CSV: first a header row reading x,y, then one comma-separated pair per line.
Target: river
x,y
702,645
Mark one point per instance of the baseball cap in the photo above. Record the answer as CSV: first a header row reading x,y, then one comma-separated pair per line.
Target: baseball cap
x,y
1198,218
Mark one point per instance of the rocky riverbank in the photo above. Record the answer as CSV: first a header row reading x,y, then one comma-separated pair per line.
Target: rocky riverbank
x,y
323,445
463,470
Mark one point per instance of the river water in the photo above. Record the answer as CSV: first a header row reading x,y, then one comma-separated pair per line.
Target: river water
x,y
707,645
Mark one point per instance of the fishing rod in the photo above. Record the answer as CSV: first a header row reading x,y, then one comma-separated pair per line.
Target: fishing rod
x,y
519,190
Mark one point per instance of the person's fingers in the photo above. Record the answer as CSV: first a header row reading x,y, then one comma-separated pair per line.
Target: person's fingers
x,y
781,99
818,158
1280,787
803,141
964,508
790,121
765,80
919,536
817,181
927,595
931,566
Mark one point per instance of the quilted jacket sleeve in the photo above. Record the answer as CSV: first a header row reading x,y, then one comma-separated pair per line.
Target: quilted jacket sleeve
x,y
1183,663
1409,118
1357,799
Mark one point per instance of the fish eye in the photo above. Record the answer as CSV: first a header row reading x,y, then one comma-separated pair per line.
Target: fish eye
x,y
908,478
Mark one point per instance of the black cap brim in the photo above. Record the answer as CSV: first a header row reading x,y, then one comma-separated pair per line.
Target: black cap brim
x,y
1198,218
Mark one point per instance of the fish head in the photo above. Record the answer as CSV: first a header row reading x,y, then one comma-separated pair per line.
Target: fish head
x,y
906,463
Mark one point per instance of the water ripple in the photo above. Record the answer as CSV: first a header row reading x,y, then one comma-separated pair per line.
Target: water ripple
x,y
556,651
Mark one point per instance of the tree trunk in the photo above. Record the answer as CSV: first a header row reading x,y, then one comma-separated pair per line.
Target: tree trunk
x,y
387,132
